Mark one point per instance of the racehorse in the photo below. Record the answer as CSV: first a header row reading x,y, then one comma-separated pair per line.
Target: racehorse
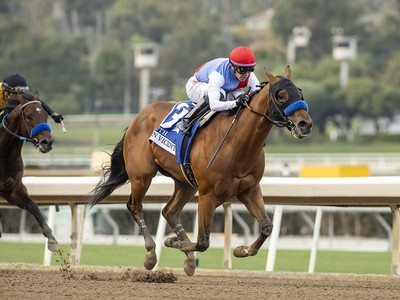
x,y
235,172
26,122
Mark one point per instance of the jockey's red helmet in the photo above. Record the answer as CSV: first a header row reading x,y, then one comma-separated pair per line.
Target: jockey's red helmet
x,y
242,57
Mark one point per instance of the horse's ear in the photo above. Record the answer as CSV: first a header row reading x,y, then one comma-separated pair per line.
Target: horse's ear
x,y
272,79
288,72
36,95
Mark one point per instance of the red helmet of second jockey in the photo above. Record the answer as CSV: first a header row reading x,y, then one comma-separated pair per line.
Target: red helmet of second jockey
x,y
242,57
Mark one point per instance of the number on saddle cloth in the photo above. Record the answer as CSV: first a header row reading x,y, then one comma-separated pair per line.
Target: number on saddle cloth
x,y
177,113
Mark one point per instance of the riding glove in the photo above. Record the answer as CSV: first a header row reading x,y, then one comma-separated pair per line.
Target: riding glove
x,y
57,117
242,99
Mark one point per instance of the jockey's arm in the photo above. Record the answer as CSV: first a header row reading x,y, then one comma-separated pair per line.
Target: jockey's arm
x,y
216,81
56,117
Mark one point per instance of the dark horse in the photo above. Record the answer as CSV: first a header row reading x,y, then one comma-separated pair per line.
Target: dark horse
x,y
235,172
26,122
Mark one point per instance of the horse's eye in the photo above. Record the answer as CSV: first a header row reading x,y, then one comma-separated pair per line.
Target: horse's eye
x,y
282,96
28,118
300,93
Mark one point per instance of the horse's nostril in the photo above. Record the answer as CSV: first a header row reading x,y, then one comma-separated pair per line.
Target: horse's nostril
x,y
46,142
302,124
305,125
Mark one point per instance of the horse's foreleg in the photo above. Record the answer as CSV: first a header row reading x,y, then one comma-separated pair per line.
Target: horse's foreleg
x,y
29,205
52,243
245,251
254,202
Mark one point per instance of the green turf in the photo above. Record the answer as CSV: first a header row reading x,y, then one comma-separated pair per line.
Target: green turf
x,y
287,261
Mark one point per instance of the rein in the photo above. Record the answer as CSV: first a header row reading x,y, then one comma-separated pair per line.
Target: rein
x,y
285,122
35,130
226,135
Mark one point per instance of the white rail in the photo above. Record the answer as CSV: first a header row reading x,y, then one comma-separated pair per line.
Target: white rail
x,y
379,163
325,192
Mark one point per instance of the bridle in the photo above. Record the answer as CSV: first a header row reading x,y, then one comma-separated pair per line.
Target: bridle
x,y
35,130
282,114
284,122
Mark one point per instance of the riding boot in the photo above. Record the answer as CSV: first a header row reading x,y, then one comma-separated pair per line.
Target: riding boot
x,y
192,114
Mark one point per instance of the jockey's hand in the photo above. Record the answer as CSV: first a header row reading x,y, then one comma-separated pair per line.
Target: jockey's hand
x,y
242,99
57,117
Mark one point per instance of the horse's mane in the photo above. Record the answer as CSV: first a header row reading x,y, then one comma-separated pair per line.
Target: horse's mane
x,y
11,104
27,96
14,101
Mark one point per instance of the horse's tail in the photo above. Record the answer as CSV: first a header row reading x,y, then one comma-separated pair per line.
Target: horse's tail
x,y
114,175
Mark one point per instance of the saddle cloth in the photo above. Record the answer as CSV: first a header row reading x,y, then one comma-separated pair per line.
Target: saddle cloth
x,y
166,134
176,142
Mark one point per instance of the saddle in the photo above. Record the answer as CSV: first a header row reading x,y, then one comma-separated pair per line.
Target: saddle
x,y
177,142
184,144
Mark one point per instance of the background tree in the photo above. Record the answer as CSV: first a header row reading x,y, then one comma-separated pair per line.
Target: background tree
x,y
79,54
320,17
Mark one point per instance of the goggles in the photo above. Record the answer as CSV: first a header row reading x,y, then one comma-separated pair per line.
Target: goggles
x,y
244,70
19,89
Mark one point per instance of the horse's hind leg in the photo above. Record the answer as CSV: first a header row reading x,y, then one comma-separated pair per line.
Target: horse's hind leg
x,y
171,212
22,200
254,202
135,206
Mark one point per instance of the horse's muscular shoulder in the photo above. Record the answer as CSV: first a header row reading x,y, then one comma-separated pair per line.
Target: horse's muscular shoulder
x,y
7,185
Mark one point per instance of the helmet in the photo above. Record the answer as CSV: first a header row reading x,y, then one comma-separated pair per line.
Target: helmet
x,y
16,81
242,57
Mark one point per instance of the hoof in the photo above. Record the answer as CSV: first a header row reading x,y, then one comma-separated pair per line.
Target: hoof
x,y
169,242
189,266
53,246
150,260
241,251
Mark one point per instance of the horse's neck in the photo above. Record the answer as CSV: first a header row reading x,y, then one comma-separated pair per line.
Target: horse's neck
x,y
11,153
9,144
253,128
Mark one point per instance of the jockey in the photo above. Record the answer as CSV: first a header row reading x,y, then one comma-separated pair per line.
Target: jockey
x,y
219,82
15,83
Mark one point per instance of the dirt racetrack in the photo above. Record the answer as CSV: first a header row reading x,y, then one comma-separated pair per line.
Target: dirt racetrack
x,y
22,281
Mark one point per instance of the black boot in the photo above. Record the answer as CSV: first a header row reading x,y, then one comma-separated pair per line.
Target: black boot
x,y
187,120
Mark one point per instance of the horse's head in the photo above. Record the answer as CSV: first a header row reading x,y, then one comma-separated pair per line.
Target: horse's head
x,y
287,107
27,120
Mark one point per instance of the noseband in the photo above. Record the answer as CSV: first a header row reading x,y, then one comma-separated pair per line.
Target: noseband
x,y
35,130
283,113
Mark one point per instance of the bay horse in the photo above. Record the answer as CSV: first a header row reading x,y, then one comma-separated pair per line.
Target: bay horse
x,y
235,172
25,122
